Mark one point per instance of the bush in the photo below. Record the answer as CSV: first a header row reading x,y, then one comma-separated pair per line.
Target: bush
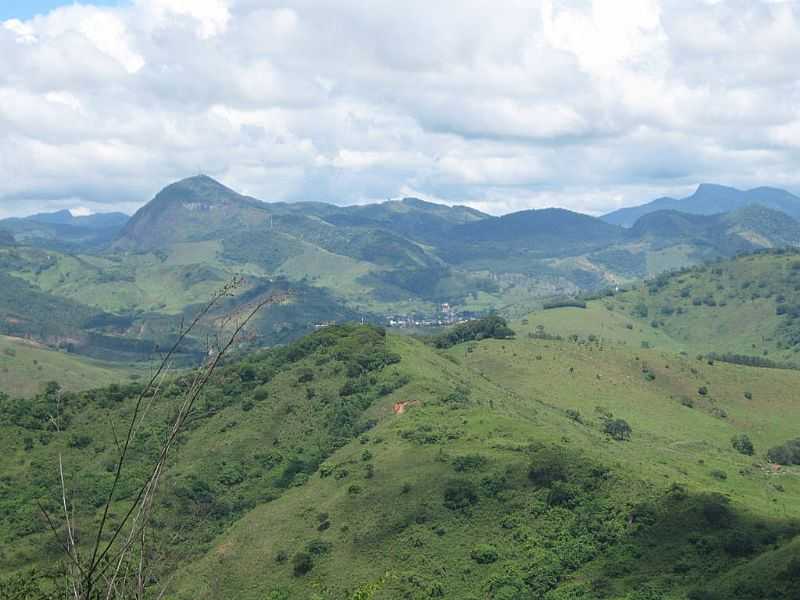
x,y
305,376
718,474
786,454
702,390
484,554
460,494
716,511
302,563
79,441
739,543
618,429
318,547
742,444
469,462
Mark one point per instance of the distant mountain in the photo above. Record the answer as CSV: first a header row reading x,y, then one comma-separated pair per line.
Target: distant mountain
x,y
748,228
193,209
540,226
95,221
711,199
7,238
62,231
411,217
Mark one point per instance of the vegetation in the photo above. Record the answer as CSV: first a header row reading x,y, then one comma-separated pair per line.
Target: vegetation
x,y
479,329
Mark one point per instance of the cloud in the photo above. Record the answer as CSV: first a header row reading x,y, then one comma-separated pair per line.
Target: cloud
x,y
587,104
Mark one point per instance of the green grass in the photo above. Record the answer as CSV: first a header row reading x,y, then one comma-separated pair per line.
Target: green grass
x,y
726,307
26,366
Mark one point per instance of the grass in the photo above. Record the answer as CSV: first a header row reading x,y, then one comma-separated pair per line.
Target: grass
x,y
26,366
728,306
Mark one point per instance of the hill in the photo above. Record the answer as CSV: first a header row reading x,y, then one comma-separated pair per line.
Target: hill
x,y
724,234
62,231
710,199
356,464
743,306
26,366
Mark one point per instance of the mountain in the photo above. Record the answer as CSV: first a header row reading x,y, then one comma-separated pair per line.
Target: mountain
x,y
710,199
193,209
61,231
410,217
743,229
375,262
94,221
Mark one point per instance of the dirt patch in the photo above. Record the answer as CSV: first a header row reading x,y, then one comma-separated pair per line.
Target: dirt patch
x,y
400,407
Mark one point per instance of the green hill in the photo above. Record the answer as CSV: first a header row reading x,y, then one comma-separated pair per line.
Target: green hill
x,y
745,306
25,367
355,464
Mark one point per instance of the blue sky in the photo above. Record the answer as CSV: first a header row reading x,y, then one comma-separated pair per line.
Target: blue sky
x,y
25,9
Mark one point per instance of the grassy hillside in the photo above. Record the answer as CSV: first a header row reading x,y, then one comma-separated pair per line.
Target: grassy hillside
x,y
355,464
747,306
25,367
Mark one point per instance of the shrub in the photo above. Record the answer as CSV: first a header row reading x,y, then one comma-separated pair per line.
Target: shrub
x,y
318,547
305,376
718,474
484,554
748,395
469,462
739,543
460,494
302,563
247,373
716,511
702,390
742,444
281,556
618,429
786,454
687,402
79,441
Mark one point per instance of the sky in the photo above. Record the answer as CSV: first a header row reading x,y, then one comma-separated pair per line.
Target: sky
x,y
585,104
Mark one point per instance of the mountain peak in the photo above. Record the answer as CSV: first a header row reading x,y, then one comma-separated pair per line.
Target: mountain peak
x,y
198,184
198,207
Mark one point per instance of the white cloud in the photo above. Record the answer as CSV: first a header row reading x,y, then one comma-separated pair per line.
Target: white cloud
x,y
587,104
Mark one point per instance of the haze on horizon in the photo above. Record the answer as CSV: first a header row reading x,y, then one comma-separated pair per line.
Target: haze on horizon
x,y
586,105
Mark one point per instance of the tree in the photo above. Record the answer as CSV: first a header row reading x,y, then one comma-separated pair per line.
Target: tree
x,y
618,429
742,444
302,563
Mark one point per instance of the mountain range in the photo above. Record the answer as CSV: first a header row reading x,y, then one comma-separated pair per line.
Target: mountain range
x,y
710,199
132,279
